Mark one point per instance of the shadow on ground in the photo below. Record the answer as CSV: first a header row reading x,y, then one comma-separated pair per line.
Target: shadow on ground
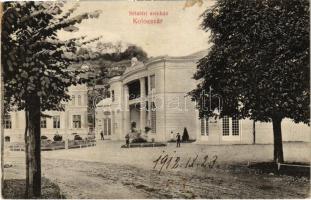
x,y
15,189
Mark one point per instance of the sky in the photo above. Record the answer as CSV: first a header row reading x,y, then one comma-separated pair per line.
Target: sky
x,y
179,34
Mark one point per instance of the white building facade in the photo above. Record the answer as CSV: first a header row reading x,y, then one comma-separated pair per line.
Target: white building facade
x,y
66,123
155,94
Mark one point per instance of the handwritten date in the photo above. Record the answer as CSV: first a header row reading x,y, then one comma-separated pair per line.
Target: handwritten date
x,y
166,161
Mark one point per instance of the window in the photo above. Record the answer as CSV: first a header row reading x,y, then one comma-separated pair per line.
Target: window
x,y
105,126
43,122
79,100
152,82
235,126
112,95
108,94
225,126
7,122
56,121
204,127
230,126
109,126
73,99
76,120
153,118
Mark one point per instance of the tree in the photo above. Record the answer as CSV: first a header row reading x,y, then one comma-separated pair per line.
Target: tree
x,y
185,135
258,63
36,68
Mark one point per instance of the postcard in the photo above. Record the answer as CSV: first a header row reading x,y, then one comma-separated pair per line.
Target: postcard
x,y
155,99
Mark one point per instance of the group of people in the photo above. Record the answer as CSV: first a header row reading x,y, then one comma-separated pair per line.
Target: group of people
x,y
178,139
127,138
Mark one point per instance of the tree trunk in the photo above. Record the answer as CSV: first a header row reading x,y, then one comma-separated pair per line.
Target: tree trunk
x,y
34,151
278,147
254,132
26,154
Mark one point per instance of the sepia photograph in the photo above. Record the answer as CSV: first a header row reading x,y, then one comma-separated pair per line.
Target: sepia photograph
x,y
155,99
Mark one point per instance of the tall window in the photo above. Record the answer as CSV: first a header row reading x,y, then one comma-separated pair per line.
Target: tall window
x,y
73,99
105,126
204,127
225,126
7,122
76,120
153,118
79,100
152,82
43,122
56,121
112,95
230,126
109,126
235,126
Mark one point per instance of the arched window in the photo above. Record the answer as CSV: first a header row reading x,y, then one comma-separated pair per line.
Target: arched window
x,y
73,99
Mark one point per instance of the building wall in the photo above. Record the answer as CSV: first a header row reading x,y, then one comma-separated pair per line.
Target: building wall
x,y
16,133
117,109
290,132
263,133
180,111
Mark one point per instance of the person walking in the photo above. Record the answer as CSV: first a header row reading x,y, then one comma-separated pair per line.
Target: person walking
x,y
102,135
178,140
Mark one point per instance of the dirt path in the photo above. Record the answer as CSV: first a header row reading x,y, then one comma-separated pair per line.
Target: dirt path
x,y
80,179
107,171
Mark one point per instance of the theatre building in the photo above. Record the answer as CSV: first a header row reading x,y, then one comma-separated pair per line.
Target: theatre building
x,y
154,94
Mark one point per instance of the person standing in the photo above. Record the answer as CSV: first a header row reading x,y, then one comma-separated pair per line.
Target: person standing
x,y
102,135
127,140
178,140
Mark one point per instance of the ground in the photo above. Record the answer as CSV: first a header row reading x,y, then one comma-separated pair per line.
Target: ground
x,y
107,171
15,189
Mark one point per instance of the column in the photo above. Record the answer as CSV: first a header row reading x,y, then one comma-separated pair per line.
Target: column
x,y
126,111
149,101
142,104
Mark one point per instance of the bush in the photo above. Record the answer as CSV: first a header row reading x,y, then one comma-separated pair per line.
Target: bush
x,y
7,138
78,137
147,129
57,137
43,137
185,135
139,140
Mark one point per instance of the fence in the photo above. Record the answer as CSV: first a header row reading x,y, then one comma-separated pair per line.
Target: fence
x,y
55,145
